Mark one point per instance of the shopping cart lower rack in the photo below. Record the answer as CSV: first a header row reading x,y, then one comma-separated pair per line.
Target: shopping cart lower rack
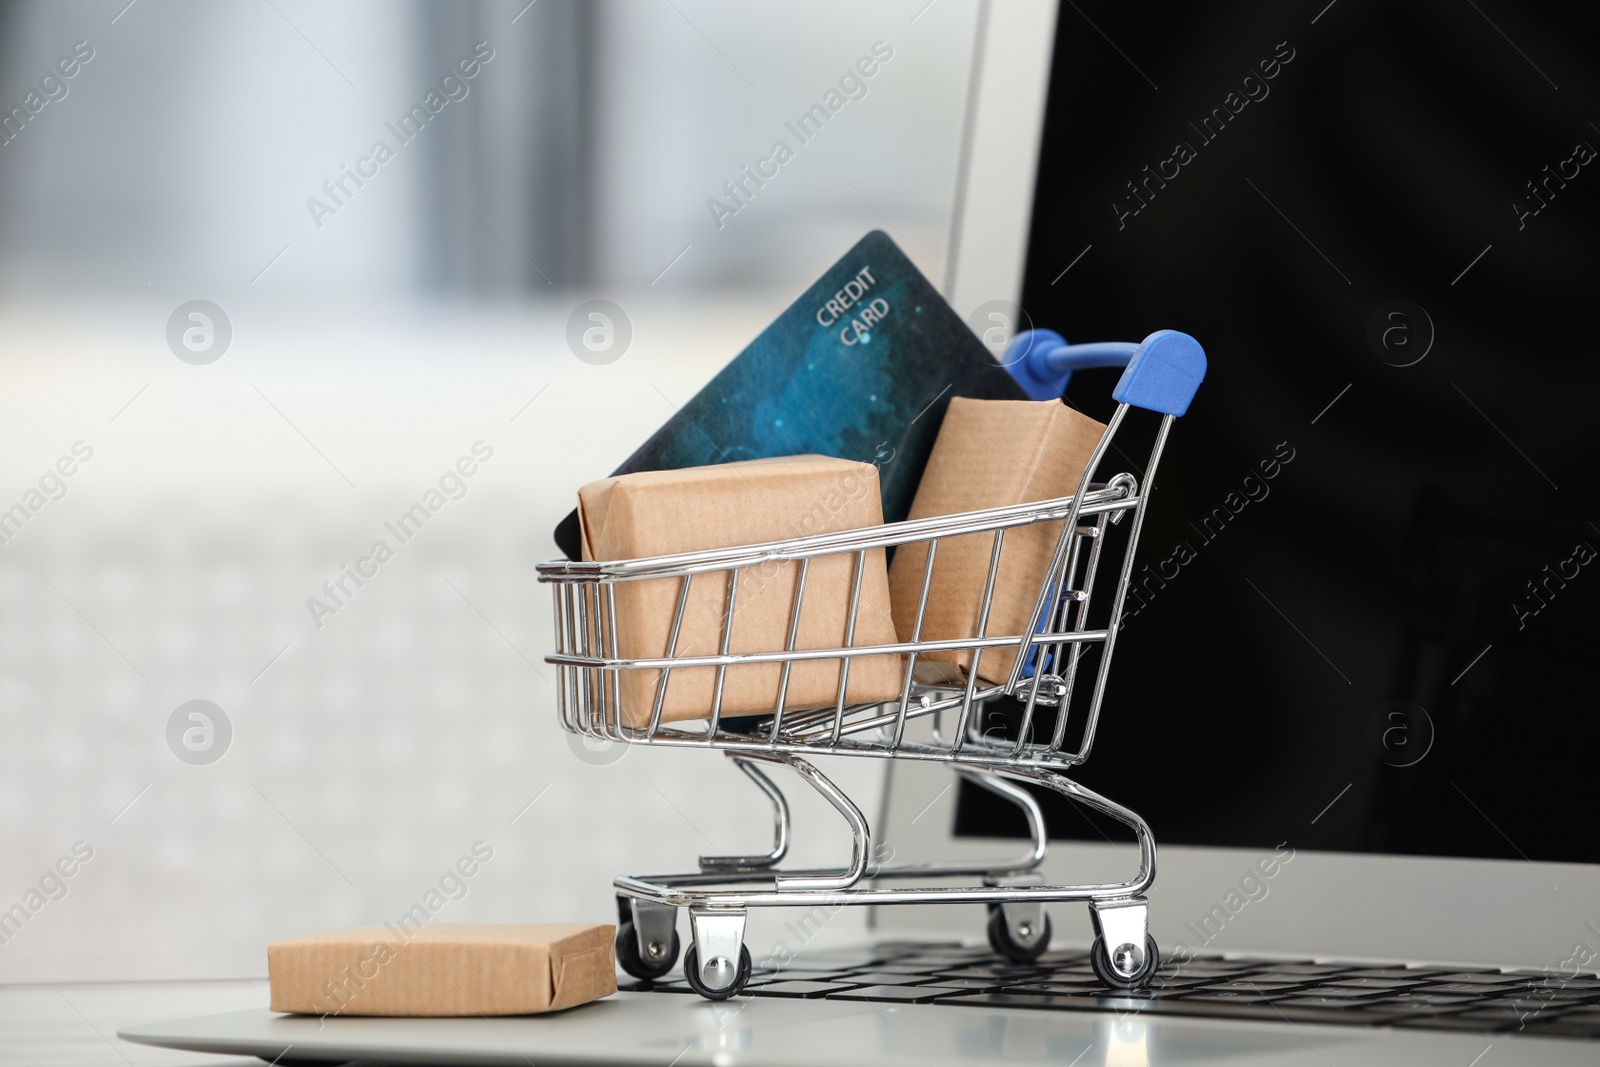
x,y
943,722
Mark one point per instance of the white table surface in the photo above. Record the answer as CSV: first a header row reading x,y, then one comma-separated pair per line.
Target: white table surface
x,y
75,1025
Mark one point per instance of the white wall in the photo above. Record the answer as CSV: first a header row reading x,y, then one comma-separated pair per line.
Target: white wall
x,y
683,114
194,138
190,143
178,563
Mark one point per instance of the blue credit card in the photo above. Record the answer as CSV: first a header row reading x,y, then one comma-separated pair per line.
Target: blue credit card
x,y
862,366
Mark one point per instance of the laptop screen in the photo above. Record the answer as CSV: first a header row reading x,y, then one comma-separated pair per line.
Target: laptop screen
x,y
1368,592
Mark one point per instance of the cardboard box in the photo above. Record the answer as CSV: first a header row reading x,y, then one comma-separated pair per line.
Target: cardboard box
x,y
443,969
989,453
655,513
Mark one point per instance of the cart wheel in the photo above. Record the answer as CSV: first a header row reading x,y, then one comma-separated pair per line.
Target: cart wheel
x,y
1100,960
628,958
1006,946
691,971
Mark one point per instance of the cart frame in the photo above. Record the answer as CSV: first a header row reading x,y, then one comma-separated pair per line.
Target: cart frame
x,y
1162,374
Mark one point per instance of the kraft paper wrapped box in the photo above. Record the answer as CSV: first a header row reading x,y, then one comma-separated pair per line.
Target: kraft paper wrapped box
x,y
443,969
653,513
989,453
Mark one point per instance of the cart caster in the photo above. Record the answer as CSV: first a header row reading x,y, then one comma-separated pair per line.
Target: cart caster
x,y
1023,938
658,925
691,971
716,935
645,967
1124,955
1108,967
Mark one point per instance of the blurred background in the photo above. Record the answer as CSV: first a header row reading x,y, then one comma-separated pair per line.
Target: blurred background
x,y
361,334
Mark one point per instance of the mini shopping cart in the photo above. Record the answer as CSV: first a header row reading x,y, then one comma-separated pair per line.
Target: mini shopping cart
x,y
943,722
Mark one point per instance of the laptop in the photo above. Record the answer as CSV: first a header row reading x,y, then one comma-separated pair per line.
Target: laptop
x,y
1355,690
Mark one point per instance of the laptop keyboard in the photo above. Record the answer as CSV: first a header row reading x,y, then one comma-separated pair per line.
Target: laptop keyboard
x,y
1211,986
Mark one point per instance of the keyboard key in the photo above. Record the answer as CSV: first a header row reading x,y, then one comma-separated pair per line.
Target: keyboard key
x,y
1014,1000
1077,981
1517,1019
1209,997
1480,978
1522,986
797,989
926,948
1351,981
948,954
1310,1001
1208,978
994,970
1334,992
1252,985
1054,989
841,962
954,985
1367,1007
794,974
1307,970
905,994
876,978
1537,1003
1426,999
1465,988
1570,996
966,982
953,959
1057,959
1418,973
994,979
1219,969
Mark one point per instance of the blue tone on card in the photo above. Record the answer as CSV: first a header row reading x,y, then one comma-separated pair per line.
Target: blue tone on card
x,y
862,366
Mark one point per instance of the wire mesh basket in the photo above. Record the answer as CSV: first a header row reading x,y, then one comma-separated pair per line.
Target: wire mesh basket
x,y
938,714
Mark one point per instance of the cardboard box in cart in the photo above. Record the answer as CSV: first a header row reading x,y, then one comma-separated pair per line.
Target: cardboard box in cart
x,y
654,513
989,453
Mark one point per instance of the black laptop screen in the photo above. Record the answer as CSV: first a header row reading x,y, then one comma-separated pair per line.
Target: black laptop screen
x,y
1381,223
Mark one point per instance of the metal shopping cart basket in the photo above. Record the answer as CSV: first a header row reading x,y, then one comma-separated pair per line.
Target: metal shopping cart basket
x,y
942,722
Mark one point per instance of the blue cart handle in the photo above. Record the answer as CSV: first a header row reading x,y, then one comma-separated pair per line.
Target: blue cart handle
x,y
1163,373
